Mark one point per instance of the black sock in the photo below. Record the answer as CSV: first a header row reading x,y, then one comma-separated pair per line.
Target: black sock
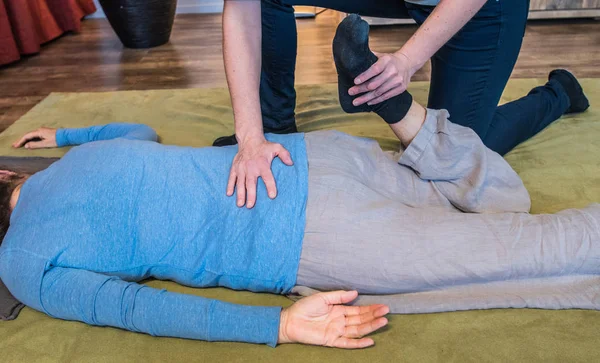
x,y
352,57
232,140
579,102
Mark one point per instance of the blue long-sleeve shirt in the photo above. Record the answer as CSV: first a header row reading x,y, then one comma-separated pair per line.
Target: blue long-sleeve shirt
x,y
122,208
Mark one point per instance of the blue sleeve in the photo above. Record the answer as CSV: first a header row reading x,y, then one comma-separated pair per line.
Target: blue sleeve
x,y
70,137
97,299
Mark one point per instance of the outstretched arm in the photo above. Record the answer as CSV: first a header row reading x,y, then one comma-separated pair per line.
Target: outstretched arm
x,y
69,137
48,138
97,299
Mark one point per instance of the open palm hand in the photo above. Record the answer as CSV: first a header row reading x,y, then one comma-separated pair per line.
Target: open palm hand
x,y
322,319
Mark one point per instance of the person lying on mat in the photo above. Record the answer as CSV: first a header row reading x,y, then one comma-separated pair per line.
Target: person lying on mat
x,y
445,213
121,208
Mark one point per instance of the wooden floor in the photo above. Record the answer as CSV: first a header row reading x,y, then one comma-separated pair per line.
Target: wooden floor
x,y
95,60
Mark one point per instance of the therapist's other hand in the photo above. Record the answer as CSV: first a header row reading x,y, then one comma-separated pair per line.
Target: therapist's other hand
x,y
323,319
386,78
252,161
42,138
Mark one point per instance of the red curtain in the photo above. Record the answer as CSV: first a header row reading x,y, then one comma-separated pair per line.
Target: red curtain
x,y
27,24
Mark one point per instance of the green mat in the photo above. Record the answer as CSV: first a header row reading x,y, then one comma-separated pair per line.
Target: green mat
x,y
560,167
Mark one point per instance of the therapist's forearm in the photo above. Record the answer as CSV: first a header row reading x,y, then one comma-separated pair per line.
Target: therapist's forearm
x,y
242,55
442,24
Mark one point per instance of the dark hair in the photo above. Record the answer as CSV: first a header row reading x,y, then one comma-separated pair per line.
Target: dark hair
x,y
9,180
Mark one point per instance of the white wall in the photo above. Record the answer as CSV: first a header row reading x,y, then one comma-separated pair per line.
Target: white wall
x,y
183,7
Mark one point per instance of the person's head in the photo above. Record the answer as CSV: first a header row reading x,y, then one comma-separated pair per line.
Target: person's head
x,y
9,182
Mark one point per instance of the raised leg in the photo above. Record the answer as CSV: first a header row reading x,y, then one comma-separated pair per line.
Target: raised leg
x,y
444,165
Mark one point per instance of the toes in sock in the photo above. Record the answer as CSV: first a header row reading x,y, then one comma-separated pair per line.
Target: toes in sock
x,y
577,98
352,57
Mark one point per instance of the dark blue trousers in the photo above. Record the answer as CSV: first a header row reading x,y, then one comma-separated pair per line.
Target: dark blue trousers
x,y
468,74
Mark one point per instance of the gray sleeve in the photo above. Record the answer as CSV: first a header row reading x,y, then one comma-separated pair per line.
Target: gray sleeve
x,y
471,176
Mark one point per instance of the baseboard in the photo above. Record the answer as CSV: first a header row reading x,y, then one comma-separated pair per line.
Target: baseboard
x,y
533,14
559,14
199,6
183,7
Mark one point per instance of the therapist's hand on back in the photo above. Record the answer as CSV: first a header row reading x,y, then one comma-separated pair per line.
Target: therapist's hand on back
x,y
387,78
242,44
253,160
323,319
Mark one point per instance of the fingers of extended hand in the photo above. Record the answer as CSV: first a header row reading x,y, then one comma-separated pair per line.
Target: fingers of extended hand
x,y
240,188
380,93
346,343
251,180
37,144
338,297
249,165
389,94
27,137
270,184
284,155
232,180
384,86
252,170
364,314
359,331
374,70
392,83
374,83
361,309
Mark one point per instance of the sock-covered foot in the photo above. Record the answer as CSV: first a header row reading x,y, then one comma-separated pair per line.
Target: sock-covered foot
x,y
352,57
232,140
567,80
225,141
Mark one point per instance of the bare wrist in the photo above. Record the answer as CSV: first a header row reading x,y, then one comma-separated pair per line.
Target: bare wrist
x,y
249,137
414,63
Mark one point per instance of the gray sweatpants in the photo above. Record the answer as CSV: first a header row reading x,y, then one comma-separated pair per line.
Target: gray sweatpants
x,y
442,226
